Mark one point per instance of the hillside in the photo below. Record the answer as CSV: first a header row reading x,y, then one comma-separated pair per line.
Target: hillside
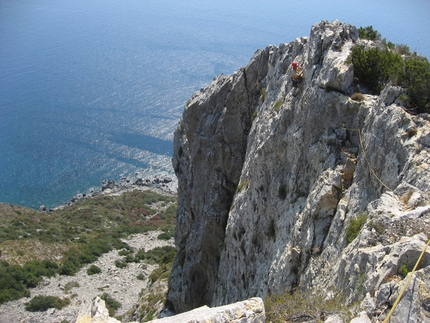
x,y
314,188
53,264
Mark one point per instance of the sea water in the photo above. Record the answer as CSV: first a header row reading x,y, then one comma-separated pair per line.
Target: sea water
x,y
93,90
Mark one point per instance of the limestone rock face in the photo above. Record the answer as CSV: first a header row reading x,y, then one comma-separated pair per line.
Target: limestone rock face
x,y
270,177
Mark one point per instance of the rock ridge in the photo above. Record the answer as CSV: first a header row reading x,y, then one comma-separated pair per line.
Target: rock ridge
x,y
271,176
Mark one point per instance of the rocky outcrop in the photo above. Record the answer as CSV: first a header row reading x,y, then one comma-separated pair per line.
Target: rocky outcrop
x,y
98,313
270,177
248,311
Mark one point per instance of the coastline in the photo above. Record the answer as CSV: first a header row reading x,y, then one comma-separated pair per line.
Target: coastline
x,y
161,185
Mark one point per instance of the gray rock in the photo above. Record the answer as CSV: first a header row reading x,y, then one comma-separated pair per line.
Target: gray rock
x,y
270,177
248,311
362,318
334,319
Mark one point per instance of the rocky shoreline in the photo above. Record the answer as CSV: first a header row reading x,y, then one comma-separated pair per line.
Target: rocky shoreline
x,y
161,185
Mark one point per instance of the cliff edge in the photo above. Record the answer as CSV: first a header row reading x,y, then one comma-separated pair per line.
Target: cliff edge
x,y
271,179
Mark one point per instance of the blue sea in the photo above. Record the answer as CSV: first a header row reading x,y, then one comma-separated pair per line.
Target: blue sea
x,y
93,90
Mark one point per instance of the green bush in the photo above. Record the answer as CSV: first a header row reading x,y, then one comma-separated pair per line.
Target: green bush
x,y
93,270
120,264
15,280
404,270
69,267
111,304
42,303
369,33
374,68
162,272
355,226
166,235
159,255
416,79
11,288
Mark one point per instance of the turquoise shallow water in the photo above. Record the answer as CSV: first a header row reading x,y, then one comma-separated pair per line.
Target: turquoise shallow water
x,y
92,90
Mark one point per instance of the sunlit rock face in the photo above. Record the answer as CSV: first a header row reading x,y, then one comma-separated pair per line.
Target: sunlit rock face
x,y
270,177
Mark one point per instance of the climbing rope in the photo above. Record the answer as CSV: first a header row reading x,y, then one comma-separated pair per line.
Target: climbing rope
x,y
388,188
406,283
425,247
368,163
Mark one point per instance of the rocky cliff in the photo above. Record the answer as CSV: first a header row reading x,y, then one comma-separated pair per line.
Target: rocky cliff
x,y
271,179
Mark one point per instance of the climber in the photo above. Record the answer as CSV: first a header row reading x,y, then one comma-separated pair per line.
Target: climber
x,y
296,74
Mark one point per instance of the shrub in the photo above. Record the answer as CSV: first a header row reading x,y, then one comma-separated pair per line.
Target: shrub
x,y
402,49
374,68
159,255
111,304
162,272
404,270
355,226
125,252
416,79
42,303
120,264
11,288
305,305
165,235
369,33
15,280
93,270
69,268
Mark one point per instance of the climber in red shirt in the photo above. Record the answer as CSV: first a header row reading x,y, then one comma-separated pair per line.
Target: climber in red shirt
x,y
296,74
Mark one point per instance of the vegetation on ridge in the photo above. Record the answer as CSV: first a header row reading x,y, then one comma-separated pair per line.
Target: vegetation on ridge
x,y
310,305
376,66
34,244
